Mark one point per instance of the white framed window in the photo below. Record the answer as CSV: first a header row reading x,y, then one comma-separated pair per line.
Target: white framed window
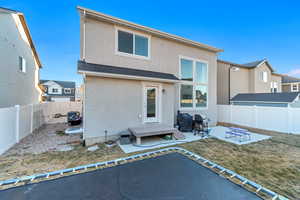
x,y
263,76
274,87
129,43
67,90
194,83
54,90
22,64
294,87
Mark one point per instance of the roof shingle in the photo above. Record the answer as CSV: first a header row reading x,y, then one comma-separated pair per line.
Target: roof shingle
x,y
284,97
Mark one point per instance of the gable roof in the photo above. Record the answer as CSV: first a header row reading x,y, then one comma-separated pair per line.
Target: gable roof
x,y
27,32
123,72
64,84
289,79
284,97
250,65
118,21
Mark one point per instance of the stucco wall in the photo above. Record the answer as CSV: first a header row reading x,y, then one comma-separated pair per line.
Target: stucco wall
x,y
115,105
223,83
100,49
15,87
286,88
239,82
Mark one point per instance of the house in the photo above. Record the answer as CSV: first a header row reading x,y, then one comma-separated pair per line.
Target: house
x,y
135,75
58,91
283,99
20,64
253,77
79,93
290,84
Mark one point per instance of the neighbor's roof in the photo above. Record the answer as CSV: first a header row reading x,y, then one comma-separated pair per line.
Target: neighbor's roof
x,y
249,65
64,84
118,21
27,32
284,97
289,79
123,72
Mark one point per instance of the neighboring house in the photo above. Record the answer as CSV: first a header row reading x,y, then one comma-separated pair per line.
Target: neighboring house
x,y
58,91
254,77
20,64
79,93
135,75
290,84
283,99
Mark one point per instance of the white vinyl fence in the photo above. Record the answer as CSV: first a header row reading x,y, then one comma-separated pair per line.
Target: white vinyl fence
x,y
281,119
19,121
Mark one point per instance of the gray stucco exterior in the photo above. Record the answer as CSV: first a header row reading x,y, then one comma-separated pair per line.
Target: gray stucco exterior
x,y
16,87
112,105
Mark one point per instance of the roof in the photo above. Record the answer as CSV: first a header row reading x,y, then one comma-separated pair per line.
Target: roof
x,y
249,65
289,79
64,84
284,97
107,18
27,32
122,72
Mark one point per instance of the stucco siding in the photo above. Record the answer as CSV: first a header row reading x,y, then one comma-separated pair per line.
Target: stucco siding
x,y
16,87
114,105
260,86
286,88
223,83
239,82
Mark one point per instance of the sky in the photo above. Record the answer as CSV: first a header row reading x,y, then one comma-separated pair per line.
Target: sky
x,y
245,30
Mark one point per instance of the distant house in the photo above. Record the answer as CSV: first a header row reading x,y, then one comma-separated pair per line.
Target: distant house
x,y
290,84
58,91
20,64
79,93
253,77
283,99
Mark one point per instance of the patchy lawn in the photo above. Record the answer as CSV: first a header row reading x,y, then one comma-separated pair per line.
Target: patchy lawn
x,y
273,163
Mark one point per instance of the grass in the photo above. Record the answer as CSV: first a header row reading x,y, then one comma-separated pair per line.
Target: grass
x,y
273,163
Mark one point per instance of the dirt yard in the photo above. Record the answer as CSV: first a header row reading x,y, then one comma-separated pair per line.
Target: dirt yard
x,y
273,163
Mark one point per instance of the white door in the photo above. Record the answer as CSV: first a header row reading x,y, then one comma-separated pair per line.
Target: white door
x,y
151,104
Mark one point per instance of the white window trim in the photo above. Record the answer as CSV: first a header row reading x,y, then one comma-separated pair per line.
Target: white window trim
x,y
159,86
117,52
23,70
193,83
292,88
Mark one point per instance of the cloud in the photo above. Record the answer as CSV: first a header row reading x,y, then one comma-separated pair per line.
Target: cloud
x,y
294,72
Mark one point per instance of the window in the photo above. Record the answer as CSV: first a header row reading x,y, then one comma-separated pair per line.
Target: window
x,y
274,87
264,76
294,87
194,83
67,90
132,44
54,90
22,64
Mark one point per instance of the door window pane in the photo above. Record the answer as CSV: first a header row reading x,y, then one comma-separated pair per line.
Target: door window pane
x,y
125,42
151,103
186,70
186,96
201,96
201,72
141,45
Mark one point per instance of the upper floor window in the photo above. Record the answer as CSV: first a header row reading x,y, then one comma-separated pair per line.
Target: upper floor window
x,y
263,76
295,87
194,83
22,64
54,90
67,90
133,44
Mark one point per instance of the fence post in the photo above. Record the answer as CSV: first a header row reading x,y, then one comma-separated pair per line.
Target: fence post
x,y
255,116
31,117
17,123
290,119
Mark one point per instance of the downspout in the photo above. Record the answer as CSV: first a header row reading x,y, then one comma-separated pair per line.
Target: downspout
x,y
83,35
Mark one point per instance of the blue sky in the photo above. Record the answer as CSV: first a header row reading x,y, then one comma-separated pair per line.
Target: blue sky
x,y
246,30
